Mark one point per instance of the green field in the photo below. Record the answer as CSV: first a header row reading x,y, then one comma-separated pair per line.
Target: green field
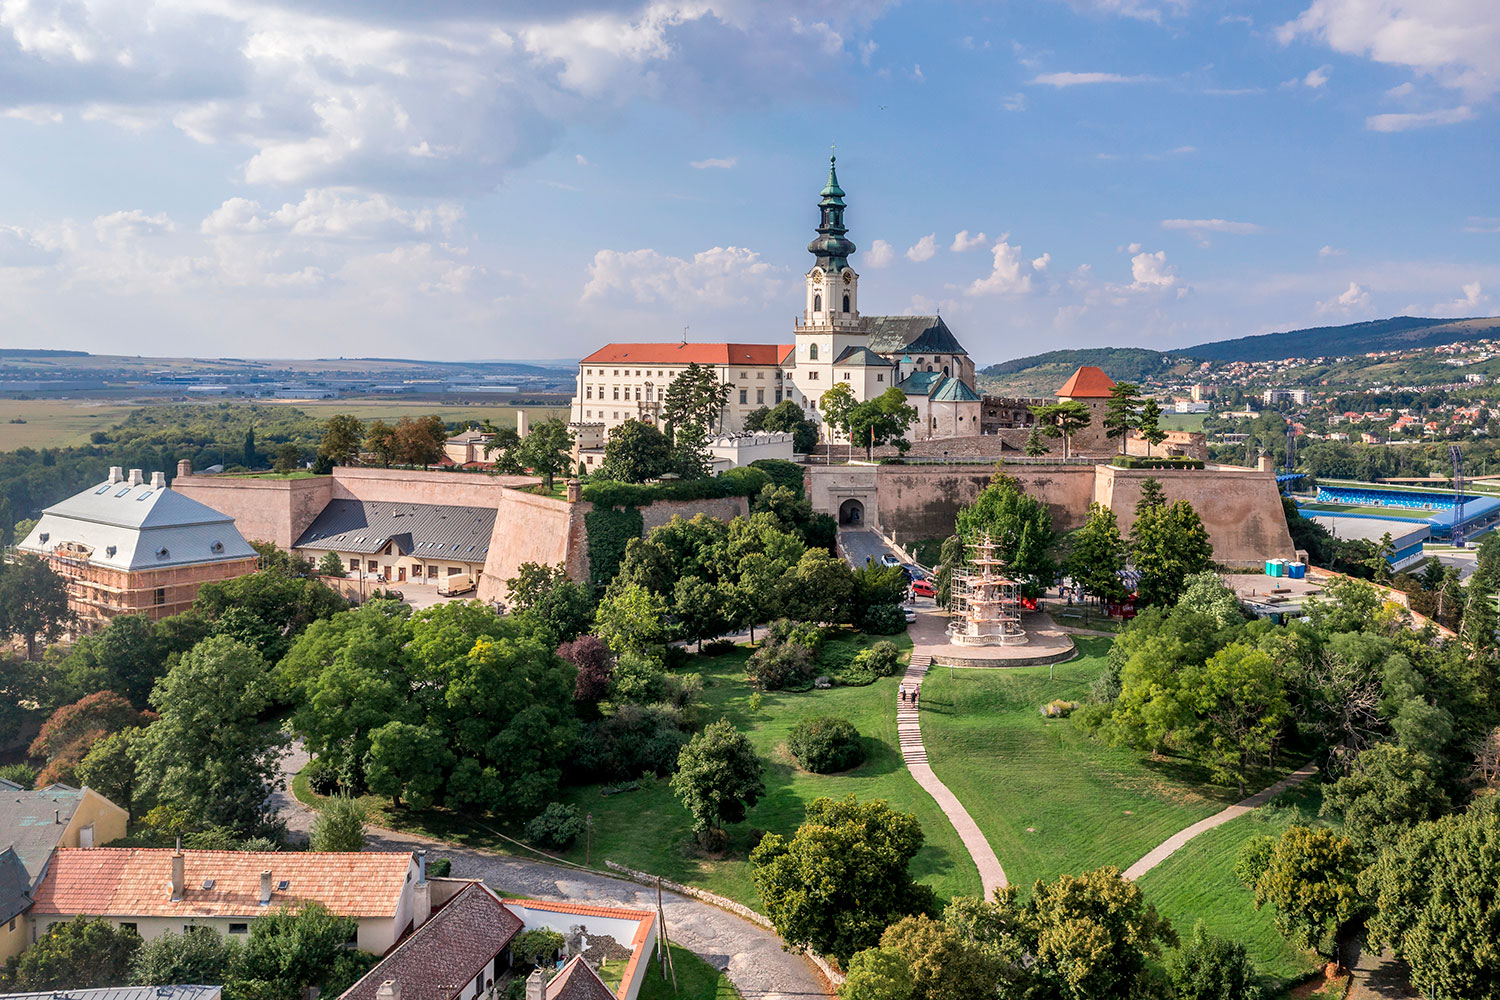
x,y
1393,513
1198,883
1182,421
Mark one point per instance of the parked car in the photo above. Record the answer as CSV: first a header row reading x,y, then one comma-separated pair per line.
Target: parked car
x,y
455,585
889,560
923,588
911,614
914,572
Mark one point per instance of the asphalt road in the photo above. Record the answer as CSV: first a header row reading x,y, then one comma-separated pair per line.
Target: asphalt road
x,y
861,544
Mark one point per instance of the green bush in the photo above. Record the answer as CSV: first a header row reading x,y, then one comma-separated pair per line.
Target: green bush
x,y
21,773
883,619
558,826
802,633
826,744
439,868
882,659
535,947
718,647
607,493
321,777
1207,967
340,825
1253,858
780,665
782,472
1139,462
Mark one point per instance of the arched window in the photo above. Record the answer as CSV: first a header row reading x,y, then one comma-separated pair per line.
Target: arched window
x,y
846,303
812,352
945,369
817,303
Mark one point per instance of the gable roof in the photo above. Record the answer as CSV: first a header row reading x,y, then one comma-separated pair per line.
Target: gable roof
x,y
454,946
134,881
916,334
577,981
15,885
32,823
1088,382
952,390
860,356
421,529
124,993
682,354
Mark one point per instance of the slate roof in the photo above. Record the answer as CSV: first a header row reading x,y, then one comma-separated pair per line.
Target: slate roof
x,y
32,822
951,390
458,942
127,527
914,334
861,356
577,981
1088,382
134,881
682,354
15,885
125,993
420,529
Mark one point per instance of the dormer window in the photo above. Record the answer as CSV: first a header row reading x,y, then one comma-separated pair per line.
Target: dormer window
x,y
216,547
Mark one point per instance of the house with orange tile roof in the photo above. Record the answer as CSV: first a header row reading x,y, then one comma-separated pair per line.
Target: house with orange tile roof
x,y
155,890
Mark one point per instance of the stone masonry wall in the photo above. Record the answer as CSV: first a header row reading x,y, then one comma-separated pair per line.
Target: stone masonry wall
x,y
531,528
923,501
264,510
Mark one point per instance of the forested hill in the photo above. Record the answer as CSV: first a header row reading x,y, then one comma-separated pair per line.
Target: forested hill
x,y
1042,374
1394,334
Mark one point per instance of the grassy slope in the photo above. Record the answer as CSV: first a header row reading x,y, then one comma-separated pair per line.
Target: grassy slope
x,y
696,980
648,828
1198,883
1049,797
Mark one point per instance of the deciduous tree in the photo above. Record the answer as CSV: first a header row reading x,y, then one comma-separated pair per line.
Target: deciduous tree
x,y
718,777
546,450
1310,882
201,956
635,452
836,404
1388,790
1168,544
1208,967
33,602
1239,698
343,434
1096,557
81,953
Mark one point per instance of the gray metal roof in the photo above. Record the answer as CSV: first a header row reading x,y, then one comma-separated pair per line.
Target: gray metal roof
x,y
860,356
920,383
15,885
914,334
125,993
134,527
32,822
419,529
951,390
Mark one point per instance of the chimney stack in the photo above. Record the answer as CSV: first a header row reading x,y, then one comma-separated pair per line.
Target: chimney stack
x,y
536,985
265,887
136,479
184,467
179,876
421,866
158,480
523,425
116,474
388,990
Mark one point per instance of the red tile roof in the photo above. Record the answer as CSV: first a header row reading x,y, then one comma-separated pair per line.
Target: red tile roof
x,y
682,354
441,958
644,921
136,881
1087,382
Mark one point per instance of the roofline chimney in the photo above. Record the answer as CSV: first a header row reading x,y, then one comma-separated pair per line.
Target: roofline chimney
x,y
265,887
158,480
179,877
116,474
136,478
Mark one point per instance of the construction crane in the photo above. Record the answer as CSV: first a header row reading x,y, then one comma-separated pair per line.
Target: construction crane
x,y
1455,453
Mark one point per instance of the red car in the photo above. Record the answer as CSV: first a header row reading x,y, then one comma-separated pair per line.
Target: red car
x,y
923,588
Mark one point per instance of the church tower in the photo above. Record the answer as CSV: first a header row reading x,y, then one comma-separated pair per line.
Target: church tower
x,y
832,285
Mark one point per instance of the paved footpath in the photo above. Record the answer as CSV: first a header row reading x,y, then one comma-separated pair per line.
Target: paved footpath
x,y
751,956
909,731
1172,844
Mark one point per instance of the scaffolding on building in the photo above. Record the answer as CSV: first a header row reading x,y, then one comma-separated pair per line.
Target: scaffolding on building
x,y
985,603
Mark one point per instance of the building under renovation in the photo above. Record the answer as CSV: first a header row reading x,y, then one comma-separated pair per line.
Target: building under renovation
x,y
133,546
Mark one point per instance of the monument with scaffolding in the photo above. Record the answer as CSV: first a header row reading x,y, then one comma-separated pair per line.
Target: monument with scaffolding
x,y
985,603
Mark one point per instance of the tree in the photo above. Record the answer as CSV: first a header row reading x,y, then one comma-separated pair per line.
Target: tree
x,y
33,602
632,620
1487,559
1380,559
718,777
785,417
549,598
822,589
380,441
339,826
1120,411
1310,882
1148,425
248,455
71,732
635,452
1010,517
208,752
1063,419
546,450
690,457
110,765
836,405
1477,628
696,396
882,420
1208,967
1434,898
332,565
1152,495
1208,595
419,440
703,610
1168,544
1239,698
343,433
407,761
202,956
595,665
1389,790
272,607
878,974
537,946
288,457
78,954
843,877
1096,559
942,963
291,949
1036,444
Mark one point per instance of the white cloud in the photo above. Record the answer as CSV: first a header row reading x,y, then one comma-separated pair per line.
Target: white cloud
x,y
916,73
1010,275
1401,90
1137,9
1420,119
1451,41
1079,79
1013,102
715,278
1353,300
962,241
335,214
583,161
1039,264
1328,250
1317,78
880,254
119,227
1211,226
923,249
714,163
1151,272
21,248
1133,248
1474,302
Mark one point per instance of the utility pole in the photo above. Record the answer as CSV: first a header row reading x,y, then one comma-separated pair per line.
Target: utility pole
x,y
588,843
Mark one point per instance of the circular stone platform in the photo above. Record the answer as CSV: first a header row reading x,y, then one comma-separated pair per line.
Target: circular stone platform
x,y
1046,643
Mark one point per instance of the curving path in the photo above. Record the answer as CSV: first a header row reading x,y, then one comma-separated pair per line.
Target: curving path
x,y
751,956
909,731
1172,844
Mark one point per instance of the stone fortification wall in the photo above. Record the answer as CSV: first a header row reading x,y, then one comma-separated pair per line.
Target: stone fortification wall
x,y
458,489
1241,508
264,510
721,508
533,528
923,501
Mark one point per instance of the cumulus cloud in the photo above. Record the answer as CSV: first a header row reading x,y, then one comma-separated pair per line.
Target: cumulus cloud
x,y
963,241
715,278
1080,79
1351,301
117,227
1482,224
1010,275
334,214
923,249
1473,302
1328,250
714,163
1318,78
1137,9
1151,272
22,248
1402,121
880,254
1039,264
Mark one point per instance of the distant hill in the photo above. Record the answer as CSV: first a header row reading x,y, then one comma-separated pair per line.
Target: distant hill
x,y
1396,333
1042,374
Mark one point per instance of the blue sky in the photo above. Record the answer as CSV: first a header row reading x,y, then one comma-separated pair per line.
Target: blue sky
x,y
528,179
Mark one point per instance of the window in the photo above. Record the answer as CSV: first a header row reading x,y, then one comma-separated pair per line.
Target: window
x,y
760,397
880,377
637,394
812,352
124,926
194,928
846,376
588,371
371,567
161,596
813,375
945,369
637,374
778,395
846,303
588,392
817,303
617,373
239,928
432,571
617,392
388,549
760,375
744,375
455,570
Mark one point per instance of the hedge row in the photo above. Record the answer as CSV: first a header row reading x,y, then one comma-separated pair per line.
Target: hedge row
x,y
609,531
1137,462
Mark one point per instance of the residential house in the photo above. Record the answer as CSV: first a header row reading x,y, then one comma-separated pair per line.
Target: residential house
x,y
34,825
391,542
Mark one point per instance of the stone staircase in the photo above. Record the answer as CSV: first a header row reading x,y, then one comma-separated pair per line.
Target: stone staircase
x,y
908,730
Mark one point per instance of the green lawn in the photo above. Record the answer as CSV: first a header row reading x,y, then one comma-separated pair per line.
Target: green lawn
x,y
1049,797
1198,883
1393,513
648,829
696,980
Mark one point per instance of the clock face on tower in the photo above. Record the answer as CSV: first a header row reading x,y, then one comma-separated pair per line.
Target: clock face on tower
x,y
848,277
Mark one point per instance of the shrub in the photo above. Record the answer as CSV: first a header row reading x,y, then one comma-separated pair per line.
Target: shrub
x,y
321,777
1139,462
802,633
718,647
1253,858
786,664
595,663
340,825
633,740
558,826
882,659
1207,967
22,774
883,619
826,744
1058,709
535,947
439,868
